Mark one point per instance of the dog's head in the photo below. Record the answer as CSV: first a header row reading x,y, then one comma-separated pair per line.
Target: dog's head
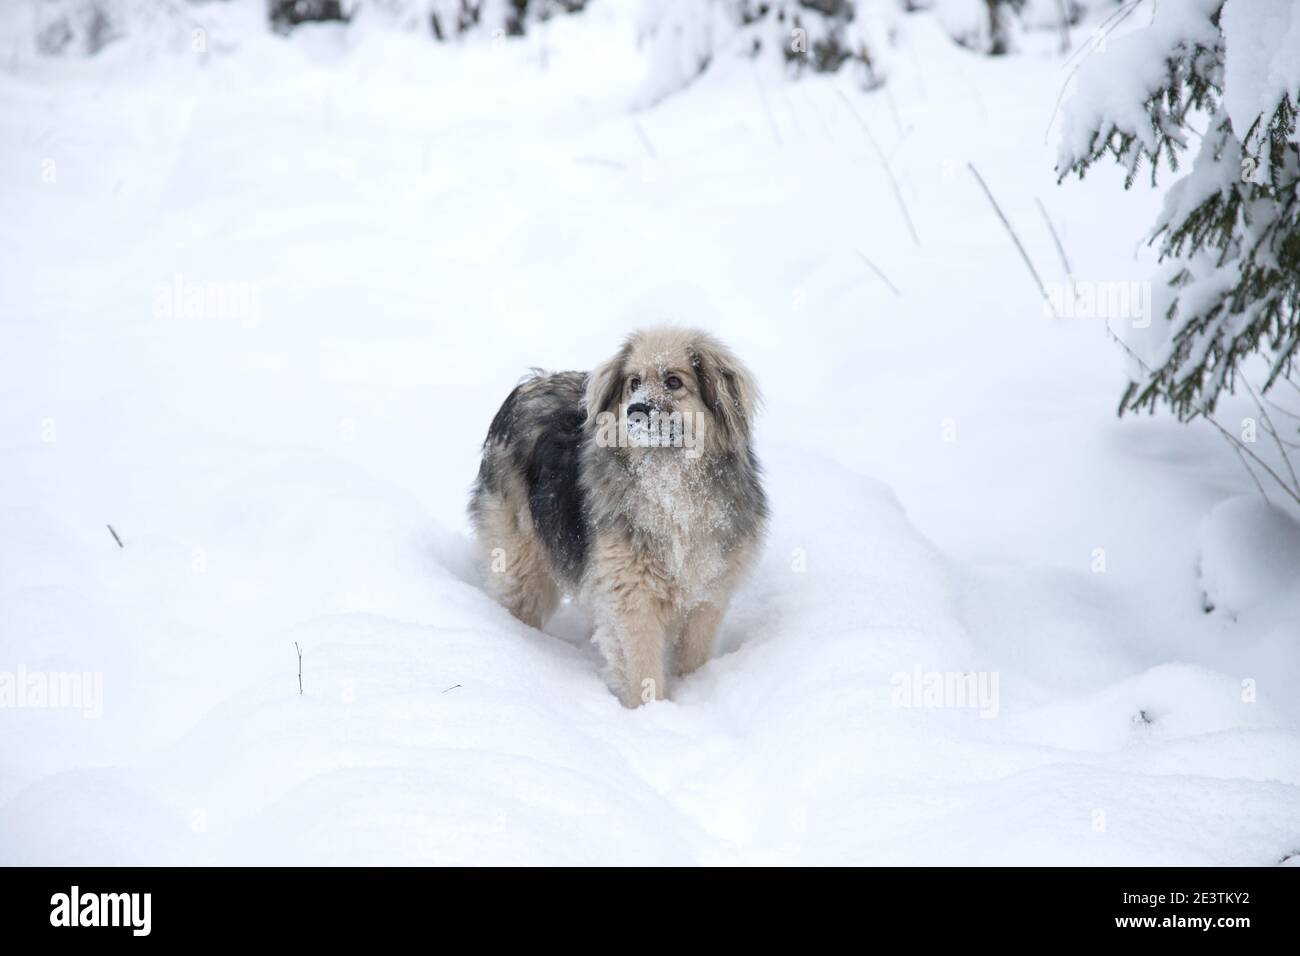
x,y
674,389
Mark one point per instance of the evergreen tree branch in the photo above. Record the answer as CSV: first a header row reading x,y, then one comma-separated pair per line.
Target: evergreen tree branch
x,y
1233,440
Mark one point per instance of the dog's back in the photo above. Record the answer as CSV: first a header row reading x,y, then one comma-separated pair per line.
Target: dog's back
x,y
528,500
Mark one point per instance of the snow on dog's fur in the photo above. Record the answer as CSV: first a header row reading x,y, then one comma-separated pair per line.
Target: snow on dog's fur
x,y
634,488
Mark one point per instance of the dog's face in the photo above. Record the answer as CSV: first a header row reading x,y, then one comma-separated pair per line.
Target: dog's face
x,y
674,389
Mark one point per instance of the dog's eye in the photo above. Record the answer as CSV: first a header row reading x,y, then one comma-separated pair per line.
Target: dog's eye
x,y
634,383
673,383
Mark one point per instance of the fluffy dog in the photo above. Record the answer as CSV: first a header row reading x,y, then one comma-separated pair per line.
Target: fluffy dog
x,y
633,488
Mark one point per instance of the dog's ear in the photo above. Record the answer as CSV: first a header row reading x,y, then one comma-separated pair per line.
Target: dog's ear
x,y
726,387
605,384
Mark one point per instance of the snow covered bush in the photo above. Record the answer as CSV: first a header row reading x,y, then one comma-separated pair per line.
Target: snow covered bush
x,y
518,14
991,26
810,34
444,19
77,26
1229,231
69,28
287,14
982,25
683,39
685,36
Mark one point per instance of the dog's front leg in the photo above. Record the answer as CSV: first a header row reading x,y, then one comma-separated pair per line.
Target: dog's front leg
x,y
631,592
695,646
644,640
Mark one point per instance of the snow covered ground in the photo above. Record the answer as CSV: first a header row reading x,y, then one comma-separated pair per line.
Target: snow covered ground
x,y
412,226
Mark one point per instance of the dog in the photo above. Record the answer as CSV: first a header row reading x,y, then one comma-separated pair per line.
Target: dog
x,y
635,490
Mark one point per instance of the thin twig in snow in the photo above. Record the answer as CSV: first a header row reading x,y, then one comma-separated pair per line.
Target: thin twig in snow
x,y
883,278
1278,408
1250,471
902,141
1268,426
898,195
115,537
1060,248
1014,238
767,109
645,140
1236,442
299,650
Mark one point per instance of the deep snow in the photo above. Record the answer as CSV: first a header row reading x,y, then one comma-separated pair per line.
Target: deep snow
x,y
418,225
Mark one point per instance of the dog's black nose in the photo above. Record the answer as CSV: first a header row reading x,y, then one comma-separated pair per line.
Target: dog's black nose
x,y
638,408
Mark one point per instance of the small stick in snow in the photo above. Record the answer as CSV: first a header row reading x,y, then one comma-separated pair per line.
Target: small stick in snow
x,y
898,195
883,278
645,140
767,109
115,537
299,650
1279,408
452,687
1014,238
1250,471
1065,260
